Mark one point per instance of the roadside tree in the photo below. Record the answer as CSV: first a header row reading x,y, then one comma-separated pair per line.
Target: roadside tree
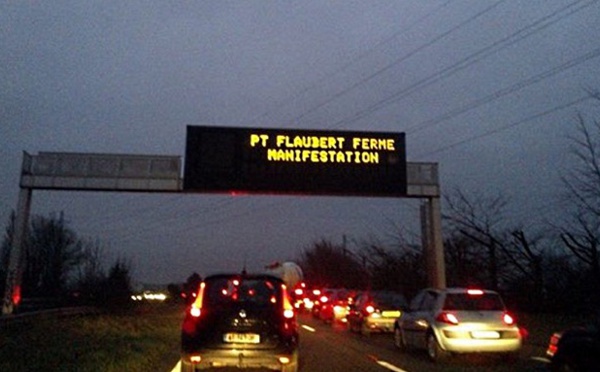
x,y
52,252
331,265
580,234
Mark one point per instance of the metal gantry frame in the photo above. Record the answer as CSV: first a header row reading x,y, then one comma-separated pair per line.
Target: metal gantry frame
x,y
162,174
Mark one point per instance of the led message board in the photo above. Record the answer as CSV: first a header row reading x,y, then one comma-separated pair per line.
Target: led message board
x,y
278,161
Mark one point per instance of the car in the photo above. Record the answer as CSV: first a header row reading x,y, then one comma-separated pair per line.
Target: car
x,y
299,295
311,296
336,308
240,321
576,348
321,297
458,320
375,311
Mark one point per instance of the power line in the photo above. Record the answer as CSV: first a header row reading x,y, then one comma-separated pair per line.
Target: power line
x,y
506,127
396,62
404,58
353,61
517,36
503,92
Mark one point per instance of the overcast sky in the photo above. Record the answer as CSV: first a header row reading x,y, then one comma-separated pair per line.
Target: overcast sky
x,y
490,90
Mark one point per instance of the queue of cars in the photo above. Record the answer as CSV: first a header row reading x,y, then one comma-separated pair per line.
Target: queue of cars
x,y
249,321
441,321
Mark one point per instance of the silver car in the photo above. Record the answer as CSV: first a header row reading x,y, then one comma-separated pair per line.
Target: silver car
x,y
457,320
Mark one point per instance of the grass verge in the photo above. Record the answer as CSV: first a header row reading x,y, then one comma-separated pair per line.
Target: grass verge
x,y
143,339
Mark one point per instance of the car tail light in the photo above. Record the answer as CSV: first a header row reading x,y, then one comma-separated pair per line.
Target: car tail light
x,y
323,299
508,319
553,347
288,309
195,359
448,318
196,308
370,309
474,292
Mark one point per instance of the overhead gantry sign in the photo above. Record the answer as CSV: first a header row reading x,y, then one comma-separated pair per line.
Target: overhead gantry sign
x,y
278,161
244,160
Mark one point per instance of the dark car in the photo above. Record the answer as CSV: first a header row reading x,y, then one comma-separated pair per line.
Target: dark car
x,y
375,311
243,321
321,297
576,349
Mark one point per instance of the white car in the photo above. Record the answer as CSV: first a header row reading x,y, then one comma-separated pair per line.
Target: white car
x,y
457,320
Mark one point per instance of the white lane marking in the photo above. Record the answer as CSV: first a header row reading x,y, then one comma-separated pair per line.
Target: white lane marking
x,y
310,329
389,366
540,359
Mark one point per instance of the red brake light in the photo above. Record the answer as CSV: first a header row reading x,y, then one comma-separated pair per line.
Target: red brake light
x,y
324,299
370,309
474,292
448,318
553,347
196,308
288,309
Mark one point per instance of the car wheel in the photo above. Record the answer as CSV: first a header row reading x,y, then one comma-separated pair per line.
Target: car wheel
x,y
399,340
435,352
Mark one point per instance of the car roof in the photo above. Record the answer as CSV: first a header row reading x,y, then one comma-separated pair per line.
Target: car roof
x,y
252,276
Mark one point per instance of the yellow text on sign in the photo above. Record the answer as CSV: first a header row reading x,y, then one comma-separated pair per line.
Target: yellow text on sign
x,y
322,142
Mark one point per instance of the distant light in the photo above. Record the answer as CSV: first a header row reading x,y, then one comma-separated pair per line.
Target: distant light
x,y
154,296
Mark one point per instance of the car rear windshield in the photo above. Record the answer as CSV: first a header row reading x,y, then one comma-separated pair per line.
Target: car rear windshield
x,y
225,291
389,300
483,302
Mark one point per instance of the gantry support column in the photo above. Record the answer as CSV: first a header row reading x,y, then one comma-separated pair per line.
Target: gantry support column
x,y
12,292
433,244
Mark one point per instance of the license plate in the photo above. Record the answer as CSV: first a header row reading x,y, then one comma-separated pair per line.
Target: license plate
x,y
390,314
485,334
242,338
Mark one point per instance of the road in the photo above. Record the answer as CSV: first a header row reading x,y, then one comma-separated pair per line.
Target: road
x,y
332,348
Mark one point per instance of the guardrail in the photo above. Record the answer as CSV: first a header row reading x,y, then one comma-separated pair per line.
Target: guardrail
x,y
12,319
